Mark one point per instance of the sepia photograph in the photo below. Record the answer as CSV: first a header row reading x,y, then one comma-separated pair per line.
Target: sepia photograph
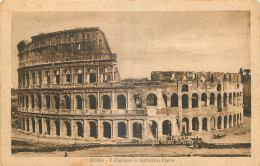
x,y
130,86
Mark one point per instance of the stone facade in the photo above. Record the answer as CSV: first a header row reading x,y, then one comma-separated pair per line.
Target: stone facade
x,y
69,86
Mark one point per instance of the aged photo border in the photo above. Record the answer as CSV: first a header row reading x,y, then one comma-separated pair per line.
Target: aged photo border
x,y
7,7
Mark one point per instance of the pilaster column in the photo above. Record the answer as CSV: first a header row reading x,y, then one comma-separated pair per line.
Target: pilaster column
x,y
199,101
190,100
113,101
144,129
173,127
180,101
159,99
44,131
129,129
159,128
73,128
208,123
99,129
61,128
200,124
232,122
86,129
113,73
222,122
190,124
227,122
30,126
114,129
36,125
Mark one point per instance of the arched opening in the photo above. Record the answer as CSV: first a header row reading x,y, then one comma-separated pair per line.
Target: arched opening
x,y
92,76
23,123
121,130
107,130
68,128
27,101
234,99
230,121
40,125
225,99
154,128
67,76
79,76
93,129
185,101
79,102
79,129
57,102
27,79
33,125
137,130
219,122
219,102
32,100
166,127
212,99
106,102
57,76
47,99
218,87
225,122
165,99
204,124
28,124
67,102
39,101
185,88
195,124
194,100
48,126
185,125
151,100
230,98
47,74
138,100
174,100
204,99
92,102
212,123
234,120
121,102
57,126
40,77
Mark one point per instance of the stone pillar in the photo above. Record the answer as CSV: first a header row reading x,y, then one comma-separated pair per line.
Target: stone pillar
x,y
44,127
86,129
97,78
129,129
173,127
36,126
144,129
72,101
199,101
180,101
52,126
222,122
114,129
112,101
200,124
73,128
190,124
208,123
232,122
160,102
30,126
216,100
227,122
61,128
168,101
159,128
242,117
113,73
100,136
190,100
130,101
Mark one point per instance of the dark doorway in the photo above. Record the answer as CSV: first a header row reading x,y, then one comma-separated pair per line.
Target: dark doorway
x,y
68,129
185,126
204,124
166,127
121,102
93,129
107,130
185,102
79,129
122,130
57,126
174,100
92,102
106,102
195,124
137,130
48,126
219,122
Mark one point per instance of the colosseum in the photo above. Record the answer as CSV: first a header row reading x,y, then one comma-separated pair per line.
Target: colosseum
x,y
70,87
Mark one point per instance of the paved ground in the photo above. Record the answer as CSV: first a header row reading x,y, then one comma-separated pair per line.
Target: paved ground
x,y
240,134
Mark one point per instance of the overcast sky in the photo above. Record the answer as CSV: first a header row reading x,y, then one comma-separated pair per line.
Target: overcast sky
x,y
153,41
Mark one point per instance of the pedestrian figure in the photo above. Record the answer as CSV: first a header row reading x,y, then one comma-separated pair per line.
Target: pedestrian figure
x,y
66,155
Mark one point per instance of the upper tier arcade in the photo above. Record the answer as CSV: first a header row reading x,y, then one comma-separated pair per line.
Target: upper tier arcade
x,y
82,44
